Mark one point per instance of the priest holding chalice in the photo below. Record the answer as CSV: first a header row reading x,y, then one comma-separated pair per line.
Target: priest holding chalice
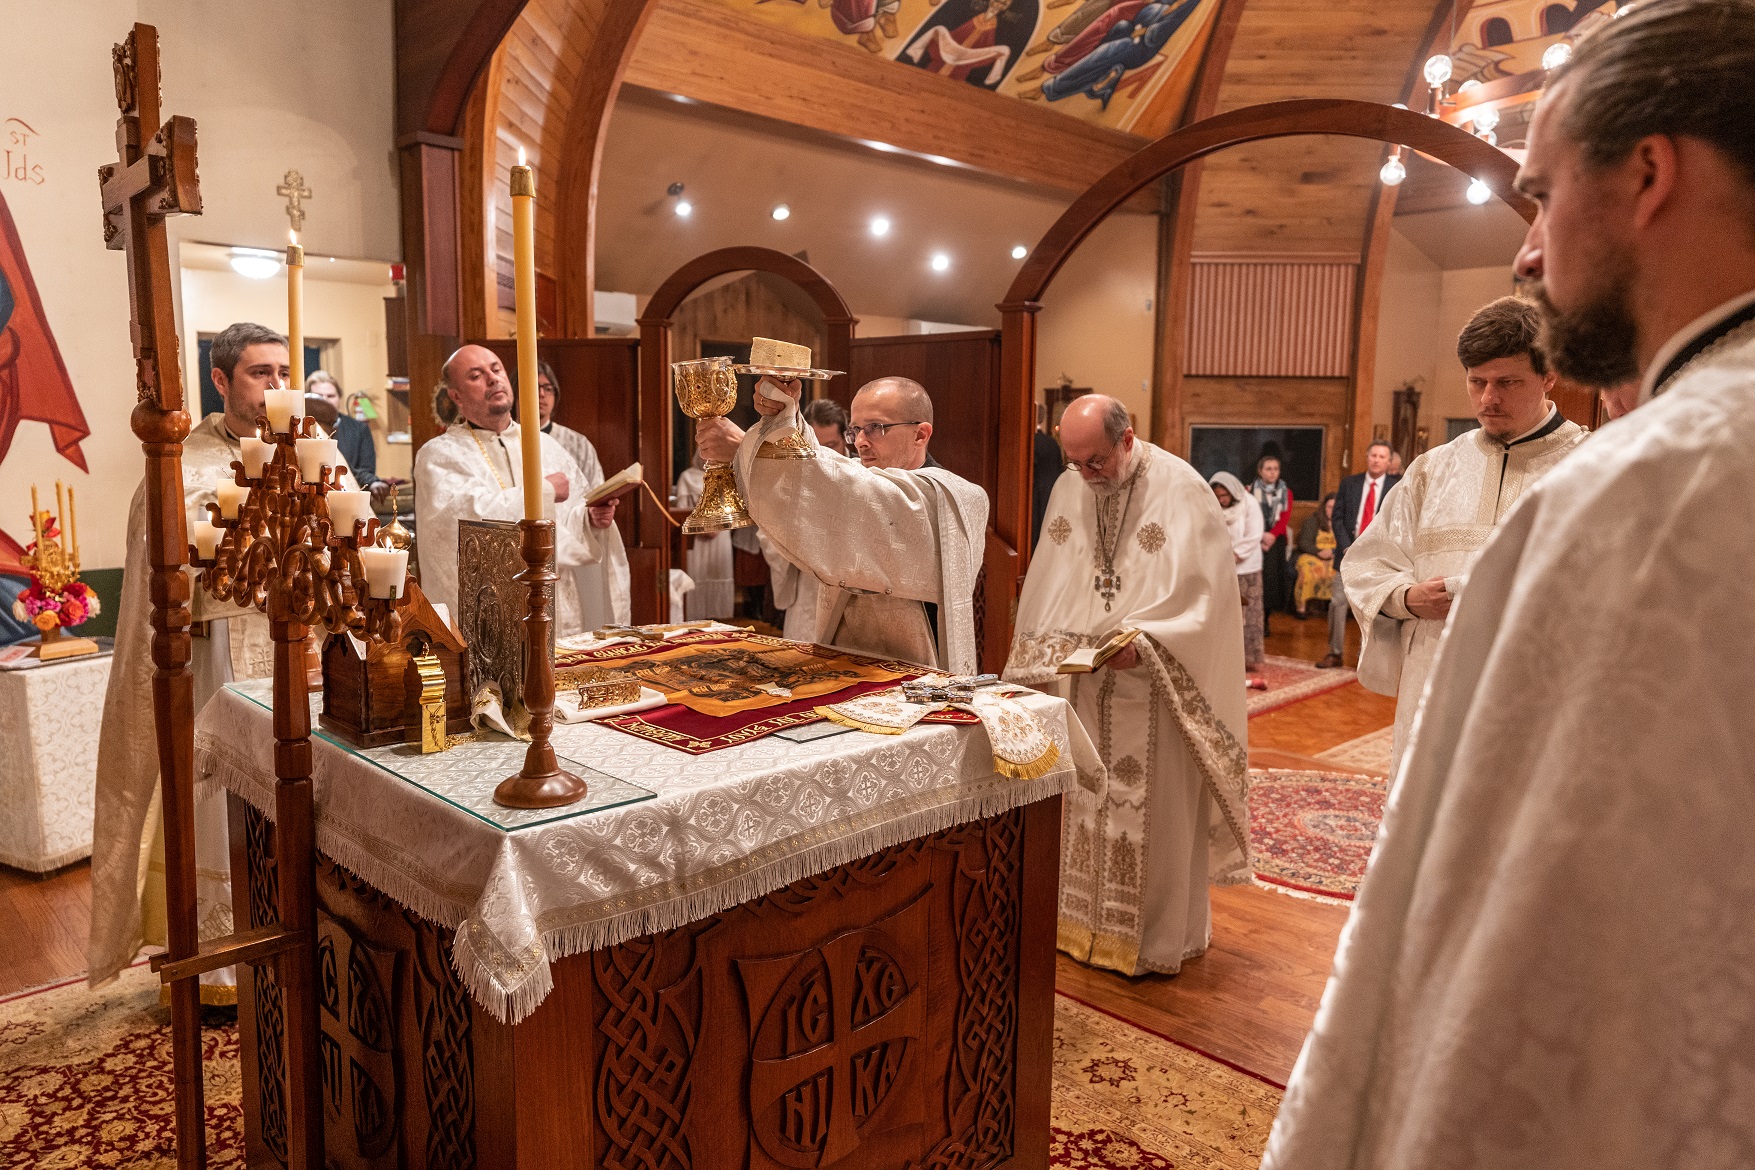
x,y
895,539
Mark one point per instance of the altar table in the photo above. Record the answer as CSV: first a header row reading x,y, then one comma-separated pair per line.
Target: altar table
x,y
50,715
778,956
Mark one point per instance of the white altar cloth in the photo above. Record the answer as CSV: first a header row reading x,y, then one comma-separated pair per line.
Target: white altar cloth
x,y
522,889
49,719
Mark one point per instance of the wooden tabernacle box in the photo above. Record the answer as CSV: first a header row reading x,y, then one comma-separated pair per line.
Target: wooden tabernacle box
x,y
375,701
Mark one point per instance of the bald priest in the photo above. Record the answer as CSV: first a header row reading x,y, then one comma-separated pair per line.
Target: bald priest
x,y
1134,541
474,471
895,539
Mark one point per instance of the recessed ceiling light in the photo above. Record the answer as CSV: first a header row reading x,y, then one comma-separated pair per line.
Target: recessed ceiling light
x,y
880,226
941,262
781,211
684,208
1019,252
255,263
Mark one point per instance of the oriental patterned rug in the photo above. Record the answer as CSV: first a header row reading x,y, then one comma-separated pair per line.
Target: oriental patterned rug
x,y
85,1082
1369,752
1290,680
1311,833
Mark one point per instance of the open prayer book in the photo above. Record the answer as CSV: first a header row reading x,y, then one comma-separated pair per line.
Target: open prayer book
x,y
1089,658
615,485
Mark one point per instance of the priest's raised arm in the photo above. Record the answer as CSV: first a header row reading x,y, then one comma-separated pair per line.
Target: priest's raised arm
x,y
895,539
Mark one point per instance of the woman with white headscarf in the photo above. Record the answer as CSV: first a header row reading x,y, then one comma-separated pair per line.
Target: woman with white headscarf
x,y
1243,519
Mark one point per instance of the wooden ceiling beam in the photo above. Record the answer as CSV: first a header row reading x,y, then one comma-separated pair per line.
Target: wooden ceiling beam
x,y
711,53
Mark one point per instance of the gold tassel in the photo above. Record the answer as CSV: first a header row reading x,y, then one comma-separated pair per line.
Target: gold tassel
x,y
834,716
1040,766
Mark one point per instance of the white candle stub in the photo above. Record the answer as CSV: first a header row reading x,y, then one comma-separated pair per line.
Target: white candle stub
x,y
255,454
282,405
313,454
206,536
347,507
386,569
231,498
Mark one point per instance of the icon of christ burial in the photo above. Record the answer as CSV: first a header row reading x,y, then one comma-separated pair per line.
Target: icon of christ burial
x,y
472,471
230,643
895,539
1134,541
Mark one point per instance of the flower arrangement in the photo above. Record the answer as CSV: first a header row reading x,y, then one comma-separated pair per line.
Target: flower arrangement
x,y
57,598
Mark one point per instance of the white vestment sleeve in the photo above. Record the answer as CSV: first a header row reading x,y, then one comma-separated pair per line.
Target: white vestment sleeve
x,y
1377,572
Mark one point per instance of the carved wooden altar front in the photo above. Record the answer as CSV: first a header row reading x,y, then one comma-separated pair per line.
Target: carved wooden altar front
x,y
893,1012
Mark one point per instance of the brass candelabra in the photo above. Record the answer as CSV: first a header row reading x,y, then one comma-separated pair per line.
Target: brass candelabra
x,y
281,553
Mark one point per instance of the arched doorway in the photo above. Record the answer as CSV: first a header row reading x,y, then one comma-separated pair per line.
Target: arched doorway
x,y
1353,119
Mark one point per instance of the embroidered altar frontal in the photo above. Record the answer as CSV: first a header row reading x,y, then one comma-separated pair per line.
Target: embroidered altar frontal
x,y
728,690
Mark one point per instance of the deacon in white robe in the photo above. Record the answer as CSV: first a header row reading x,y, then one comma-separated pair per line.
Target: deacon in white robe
x,y
895,540
1405,572
601,582
229,643
1549,961
709,558
1134,540
474,471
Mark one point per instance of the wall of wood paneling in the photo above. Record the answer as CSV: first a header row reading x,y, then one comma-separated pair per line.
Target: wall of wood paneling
x,y
1272,402
755,305
1287,320
961,374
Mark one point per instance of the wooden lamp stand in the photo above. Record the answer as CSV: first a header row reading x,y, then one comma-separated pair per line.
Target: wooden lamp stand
x,y
542,783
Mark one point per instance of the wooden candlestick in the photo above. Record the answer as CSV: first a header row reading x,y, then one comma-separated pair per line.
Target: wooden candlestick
x,y
542,783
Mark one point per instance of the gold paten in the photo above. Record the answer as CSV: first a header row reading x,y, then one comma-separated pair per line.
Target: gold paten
x,y
432,703
707,388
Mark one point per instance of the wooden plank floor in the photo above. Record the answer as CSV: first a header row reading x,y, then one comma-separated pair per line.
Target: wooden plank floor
x,y
1249,999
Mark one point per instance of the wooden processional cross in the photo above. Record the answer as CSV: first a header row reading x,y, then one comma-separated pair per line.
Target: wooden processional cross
x,y
153,178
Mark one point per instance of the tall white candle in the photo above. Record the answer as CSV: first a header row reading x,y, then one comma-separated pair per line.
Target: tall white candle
x,y
231,497
386,570
255,455
282,405
346,507
313,454
205,534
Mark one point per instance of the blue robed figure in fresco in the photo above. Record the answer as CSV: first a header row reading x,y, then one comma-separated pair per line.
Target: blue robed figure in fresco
x,y
1129,45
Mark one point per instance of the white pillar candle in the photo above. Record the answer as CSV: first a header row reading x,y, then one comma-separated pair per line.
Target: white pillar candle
x,y
345,507
206,535
256,454
231,497
282,405
313,454
386,569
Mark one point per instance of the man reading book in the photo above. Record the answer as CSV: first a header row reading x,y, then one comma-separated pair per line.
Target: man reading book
x,y
1131,611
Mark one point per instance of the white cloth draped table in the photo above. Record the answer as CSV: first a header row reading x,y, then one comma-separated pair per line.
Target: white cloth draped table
x,y
49,723
524,888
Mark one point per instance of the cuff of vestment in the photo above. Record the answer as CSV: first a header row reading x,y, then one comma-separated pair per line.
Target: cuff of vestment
x,y
1396,604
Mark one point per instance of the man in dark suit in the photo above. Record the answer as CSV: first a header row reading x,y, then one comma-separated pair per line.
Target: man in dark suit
x,y
1356,506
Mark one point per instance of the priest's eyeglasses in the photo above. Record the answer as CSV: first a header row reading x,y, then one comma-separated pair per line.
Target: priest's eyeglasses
x,y
875,431
1093,465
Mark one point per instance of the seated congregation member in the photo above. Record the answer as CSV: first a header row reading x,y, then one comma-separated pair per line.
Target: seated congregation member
x,y
894,539
1313,570
228,643
351,435
474,471
1356,506
1135,541
603,587
1404,573
1243,521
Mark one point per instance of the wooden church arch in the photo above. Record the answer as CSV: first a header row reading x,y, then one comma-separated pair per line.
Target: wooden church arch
x,y
1332,116
655,358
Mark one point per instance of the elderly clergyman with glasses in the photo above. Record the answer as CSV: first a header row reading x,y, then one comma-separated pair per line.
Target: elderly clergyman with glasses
x,y
894,539
1134,545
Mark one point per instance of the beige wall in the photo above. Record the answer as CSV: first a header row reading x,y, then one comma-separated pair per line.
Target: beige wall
x,y
226,65
1424,307
1096,320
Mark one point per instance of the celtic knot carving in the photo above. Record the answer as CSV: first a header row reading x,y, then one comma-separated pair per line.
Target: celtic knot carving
x,y
644,1083
448,1067
270,1021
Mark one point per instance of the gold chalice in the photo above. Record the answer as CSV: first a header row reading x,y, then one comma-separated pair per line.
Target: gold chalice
x,y
707,388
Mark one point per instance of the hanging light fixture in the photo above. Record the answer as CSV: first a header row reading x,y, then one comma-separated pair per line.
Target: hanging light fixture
x,y
1437,70
1556,55
1478,192
255,263
1393,171
1486,120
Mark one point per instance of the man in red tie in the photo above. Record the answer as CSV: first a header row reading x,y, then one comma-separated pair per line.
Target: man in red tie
x,y
1359,501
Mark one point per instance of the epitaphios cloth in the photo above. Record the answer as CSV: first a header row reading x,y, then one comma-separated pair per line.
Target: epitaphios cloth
x,y
524,888
730,689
